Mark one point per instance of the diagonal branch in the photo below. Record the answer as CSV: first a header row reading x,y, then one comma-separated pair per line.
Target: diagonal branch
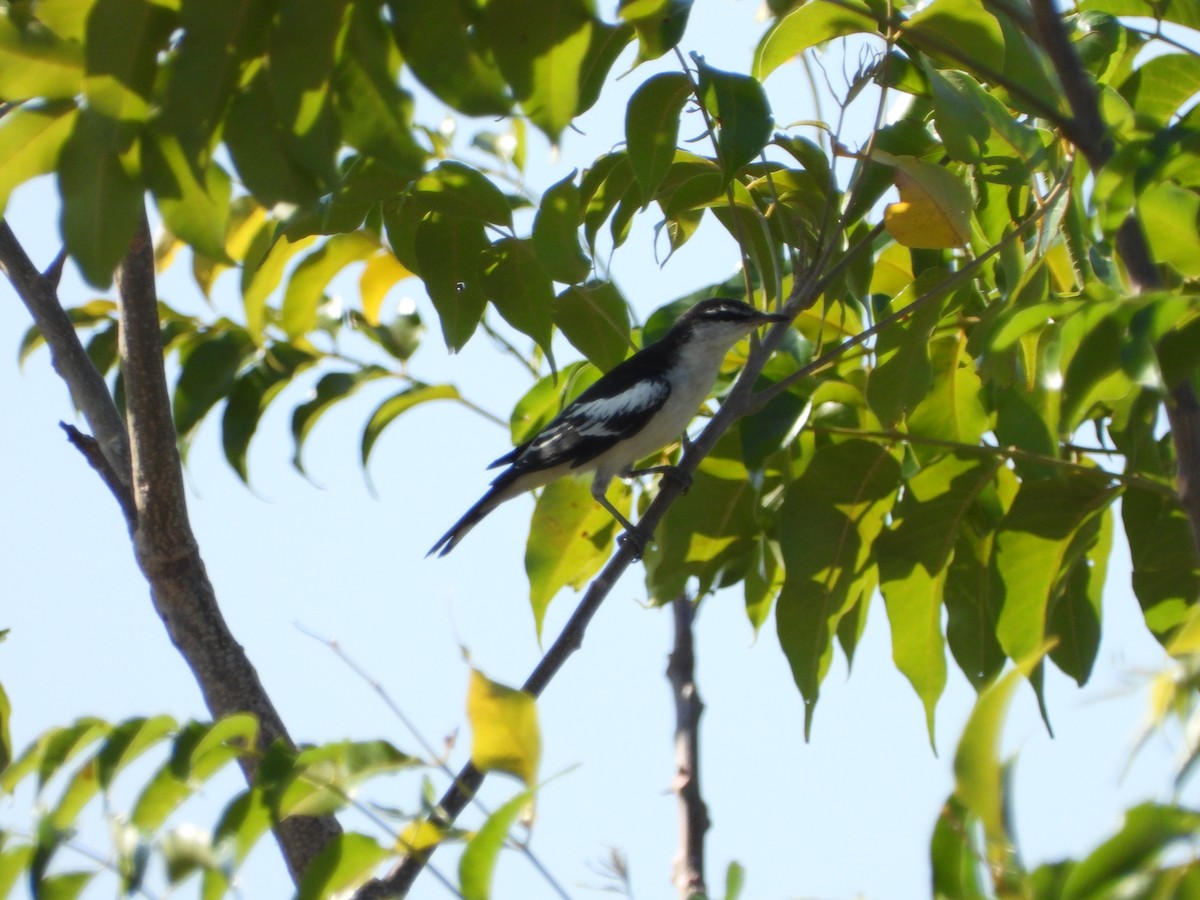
x,y
39,293
166,548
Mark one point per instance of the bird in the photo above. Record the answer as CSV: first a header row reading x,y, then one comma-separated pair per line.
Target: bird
x,y
639,406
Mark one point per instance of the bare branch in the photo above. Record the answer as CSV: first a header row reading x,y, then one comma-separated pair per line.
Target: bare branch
x,y
166,548
90,394
1090,133
688,874
90,448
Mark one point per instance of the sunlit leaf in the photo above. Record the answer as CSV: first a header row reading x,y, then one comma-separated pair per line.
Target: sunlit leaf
x,y
456,189
934,209
391,408
556,233
208,369
250,396
478,861
194,202
944,27
806,26
31,138
37,65
520,289
570,537
311,277
659,23
595,319
332,388
652,127
504,729
343,864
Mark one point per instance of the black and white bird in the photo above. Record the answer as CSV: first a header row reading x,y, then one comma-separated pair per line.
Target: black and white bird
x,y
638,407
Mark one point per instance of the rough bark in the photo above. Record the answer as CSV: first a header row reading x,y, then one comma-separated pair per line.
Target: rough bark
x,y
688,874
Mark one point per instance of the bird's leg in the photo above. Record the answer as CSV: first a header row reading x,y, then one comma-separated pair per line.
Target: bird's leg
x,y
674,473
632,534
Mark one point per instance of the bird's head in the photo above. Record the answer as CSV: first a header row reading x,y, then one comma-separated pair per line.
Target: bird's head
x,y
720,322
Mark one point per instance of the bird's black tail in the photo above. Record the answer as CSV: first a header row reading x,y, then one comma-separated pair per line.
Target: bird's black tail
x,y
496,495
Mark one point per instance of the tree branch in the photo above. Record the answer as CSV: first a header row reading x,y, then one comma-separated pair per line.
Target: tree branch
x,y
89,392
1090,133
166,548
688,874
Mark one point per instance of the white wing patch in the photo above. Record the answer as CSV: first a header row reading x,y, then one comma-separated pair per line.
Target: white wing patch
x,y
610,415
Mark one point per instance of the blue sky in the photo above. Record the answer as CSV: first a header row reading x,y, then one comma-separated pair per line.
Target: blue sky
x,y
848,814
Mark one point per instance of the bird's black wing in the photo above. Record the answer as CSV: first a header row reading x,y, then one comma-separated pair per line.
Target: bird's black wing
x,y
612,409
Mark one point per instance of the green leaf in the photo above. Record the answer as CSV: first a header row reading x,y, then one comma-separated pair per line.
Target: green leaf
x,y
827,526
102,204
595,319
57,747
374,113
652,127
446,52
520,289
735,879
975,126
304,40
306,287
570,537
31,138
449,255
36,64
333,387
806,26
978,772
250,396
261,150
739,108
556,233
259,281
1048,531
324,778
200,751
207,370
606,45
478,861
659,23
14,862
65,886
193,201
1162,84
1169,214
547,398
1166,571
914,559
456,189
343,864
243,822
710,533
124,40
541,47
953,855
218,37
1179,11
944,27
952,409
395,405
1147,832
904,374
973,593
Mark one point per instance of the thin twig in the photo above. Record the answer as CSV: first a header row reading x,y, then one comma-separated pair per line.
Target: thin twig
x,y
996,451
90,448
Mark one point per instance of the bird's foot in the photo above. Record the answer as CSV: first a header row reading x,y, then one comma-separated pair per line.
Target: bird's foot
x,y
681,478
635,538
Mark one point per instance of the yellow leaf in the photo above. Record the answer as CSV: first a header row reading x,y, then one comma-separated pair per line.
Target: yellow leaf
x,y
934,209
1186,640
504,728
419,836
381,273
